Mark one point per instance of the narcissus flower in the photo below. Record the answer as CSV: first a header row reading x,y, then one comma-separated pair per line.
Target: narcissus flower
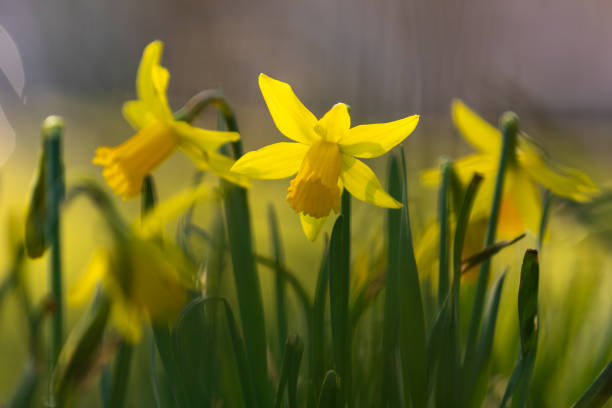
x,y
528,167
159,135
142,280
324,155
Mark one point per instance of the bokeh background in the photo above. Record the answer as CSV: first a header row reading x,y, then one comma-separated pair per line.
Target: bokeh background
x,y
550,61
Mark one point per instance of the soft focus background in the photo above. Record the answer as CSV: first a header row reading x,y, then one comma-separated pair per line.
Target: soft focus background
x,y
550,61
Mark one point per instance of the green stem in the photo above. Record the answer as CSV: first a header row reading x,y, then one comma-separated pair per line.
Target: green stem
x,y
509,123
548,197
443,284
121,375
52,128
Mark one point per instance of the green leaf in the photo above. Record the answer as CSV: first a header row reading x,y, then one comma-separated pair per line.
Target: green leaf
x,y
446,170
281,303
518,386
317,334
390,393
330,391
246,281
412,340
338,300
294,348
599,392
486,254
184,350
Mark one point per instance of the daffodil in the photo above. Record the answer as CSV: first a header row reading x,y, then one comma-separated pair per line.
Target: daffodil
x,y
528,167
142,280
159,135
324,156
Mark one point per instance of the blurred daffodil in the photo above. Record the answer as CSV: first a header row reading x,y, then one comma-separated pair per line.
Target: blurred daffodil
x,y
528,167
324,157
159,134
142,280
143,276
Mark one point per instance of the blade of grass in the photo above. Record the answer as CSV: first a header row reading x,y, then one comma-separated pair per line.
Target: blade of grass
x,y
509,125
446,170
277,251
330,391
599,392
474,379
412,341
338,300
317,334
53,127
389,392
242,365
238,227
548,198
486,254
289,371
518,386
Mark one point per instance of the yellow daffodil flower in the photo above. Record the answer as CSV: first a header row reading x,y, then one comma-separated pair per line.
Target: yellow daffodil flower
x,y
528,167
126,165
324,157
142,280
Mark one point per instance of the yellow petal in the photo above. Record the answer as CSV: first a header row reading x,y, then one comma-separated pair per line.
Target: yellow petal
x,y
289,114
128,319
203,138
168,210
82,291
137,114
561,180
521,207
335,123
374,140
362,183
478,132
276,161
152,81
312,226
221,165
464,168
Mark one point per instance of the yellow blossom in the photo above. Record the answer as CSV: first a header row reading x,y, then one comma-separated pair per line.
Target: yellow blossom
x,y
159,135
142,280
324,155
528,167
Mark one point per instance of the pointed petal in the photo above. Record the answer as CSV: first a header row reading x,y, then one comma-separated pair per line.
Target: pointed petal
x,y
478,132
203,138
367,141
362,183
137,114
82,291
312,226
155,220
276,161
152,81
221,165
289,114
335,123
521,207
464,168
561,180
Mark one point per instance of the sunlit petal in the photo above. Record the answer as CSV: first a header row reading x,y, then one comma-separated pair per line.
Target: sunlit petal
x,y
478,132
276,161
291,117
152,81
561,180
312,226
362,183
203,138
374,140
335,123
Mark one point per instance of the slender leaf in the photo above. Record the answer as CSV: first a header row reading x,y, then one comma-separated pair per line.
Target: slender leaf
x,y
486,254
281,303
412,323
599,392
294,348
330,391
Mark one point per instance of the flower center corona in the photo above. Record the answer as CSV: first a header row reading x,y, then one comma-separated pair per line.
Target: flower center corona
x,y
126,165
314,191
